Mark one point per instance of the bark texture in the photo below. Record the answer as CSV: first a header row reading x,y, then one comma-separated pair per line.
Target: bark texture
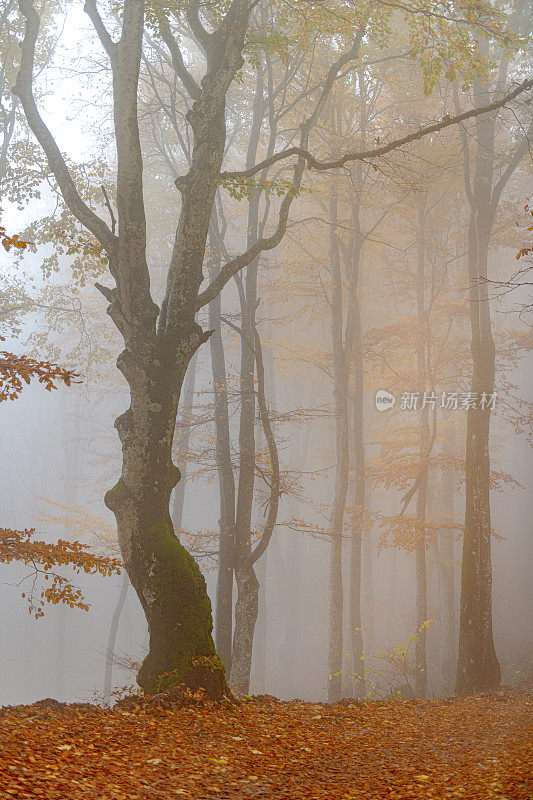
x,y
478,668
158,344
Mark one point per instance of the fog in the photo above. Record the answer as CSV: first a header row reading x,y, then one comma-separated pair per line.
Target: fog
x,y
371,288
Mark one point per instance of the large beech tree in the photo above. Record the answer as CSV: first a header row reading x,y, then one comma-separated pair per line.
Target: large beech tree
x,y
159,342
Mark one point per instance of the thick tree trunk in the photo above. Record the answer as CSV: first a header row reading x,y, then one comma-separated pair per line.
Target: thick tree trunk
x,y
478,668
167,580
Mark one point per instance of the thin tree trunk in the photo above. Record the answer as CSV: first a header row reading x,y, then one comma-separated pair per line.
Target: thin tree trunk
x,y
260,636
420,531
393,600
478,668
368,583
113,632
246,606
294,584
247,584
282,649
226,478
343,337
342,462
447,569
355,619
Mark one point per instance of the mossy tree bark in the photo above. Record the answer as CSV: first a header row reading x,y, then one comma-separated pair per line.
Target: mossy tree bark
x,y
167,580
158,343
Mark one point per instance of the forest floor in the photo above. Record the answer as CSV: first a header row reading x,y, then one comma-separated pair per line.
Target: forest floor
x,y
480,747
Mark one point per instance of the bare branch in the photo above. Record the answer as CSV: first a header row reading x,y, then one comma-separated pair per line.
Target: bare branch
x,y
103,34
193,90
512,164
270,242
376,152
23,89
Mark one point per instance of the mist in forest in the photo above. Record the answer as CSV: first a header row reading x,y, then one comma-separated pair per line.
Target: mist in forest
x,y
333,346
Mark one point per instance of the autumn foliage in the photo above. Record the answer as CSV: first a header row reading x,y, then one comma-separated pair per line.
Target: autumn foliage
x,y
43,557
15,371
11,241
473,749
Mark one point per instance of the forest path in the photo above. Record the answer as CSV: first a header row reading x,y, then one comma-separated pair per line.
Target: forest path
x,y
479,747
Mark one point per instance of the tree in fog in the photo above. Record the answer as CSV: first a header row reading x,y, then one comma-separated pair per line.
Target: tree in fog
x,y
161,341
486,174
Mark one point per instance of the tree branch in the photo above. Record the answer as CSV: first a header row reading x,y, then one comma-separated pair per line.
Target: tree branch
x,y
202,36
376,152
110,209
270,242
193,90
23,90
103,34
512,164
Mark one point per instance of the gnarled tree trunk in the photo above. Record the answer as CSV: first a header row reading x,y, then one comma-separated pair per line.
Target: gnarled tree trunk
x,y
158,343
